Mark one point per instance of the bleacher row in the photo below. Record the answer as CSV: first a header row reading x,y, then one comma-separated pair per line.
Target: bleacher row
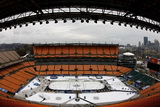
x,y
81,69
25,71
137,76
8,58
146,80
14,81
151,90
13,77
75,51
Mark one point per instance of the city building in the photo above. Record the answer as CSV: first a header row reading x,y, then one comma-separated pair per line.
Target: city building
x,y
145,41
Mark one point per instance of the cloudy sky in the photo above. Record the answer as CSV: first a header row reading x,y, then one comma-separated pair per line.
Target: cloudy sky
x,y
76,32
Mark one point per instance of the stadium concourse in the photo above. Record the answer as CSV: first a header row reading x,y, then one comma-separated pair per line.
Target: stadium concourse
x,y
74,75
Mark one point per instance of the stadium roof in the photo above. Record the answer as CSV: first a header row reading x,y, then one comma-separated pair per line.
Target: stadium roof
x,y
128,54
76,44
141,13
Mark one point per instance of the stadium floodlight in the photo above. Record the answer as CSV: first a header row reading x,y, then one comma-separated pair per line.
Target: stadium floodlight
x,y
33,23
111,22
56,21
40,22
82,20
141,27
20,25
26,24
87,20
104,21
47,22
95,21
73,21
64,20
125,24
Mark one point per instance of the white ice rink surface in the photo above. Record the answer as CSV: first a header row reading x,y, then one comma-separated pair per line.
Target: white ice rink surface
x,y
76,85
82,83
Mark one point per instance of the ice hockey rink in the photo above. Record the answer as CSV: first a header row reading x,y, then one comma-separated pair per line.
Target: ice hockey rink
x,y
71,90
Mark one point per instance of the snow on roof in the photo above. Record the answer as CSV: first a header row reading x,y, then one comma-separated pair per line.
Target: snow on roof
x,y
128,54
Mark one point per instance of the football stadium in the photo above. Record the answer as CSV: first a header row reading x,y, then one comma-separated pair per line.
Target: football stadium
x,y
75,74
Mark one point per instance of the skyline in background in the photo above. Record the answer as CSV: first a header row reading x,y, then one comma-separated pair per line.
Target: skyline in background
x,y
77,32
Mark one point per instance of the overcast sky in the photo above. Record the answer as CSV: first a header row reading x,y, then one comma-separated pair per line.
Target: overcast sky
x,y
76,32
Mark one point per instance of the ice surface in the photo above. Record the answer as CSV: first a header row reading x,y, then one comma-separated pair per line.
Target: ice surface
x,y
81,83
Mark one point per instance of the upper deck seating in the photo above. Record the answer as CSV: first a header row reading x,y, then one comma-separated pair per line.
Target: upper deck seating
x,y
76,51
8,58
81,69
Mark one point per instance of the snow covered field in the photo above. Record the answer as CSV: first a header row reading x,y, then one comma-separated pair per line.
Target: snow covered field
x,y
61,98
100,90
